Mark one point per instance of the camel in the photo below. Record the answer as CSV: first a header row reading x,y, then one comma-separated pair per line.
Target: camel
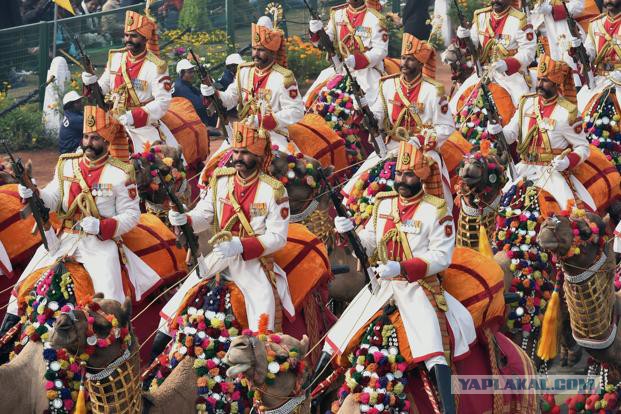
x,y
248,357
592,304
21,382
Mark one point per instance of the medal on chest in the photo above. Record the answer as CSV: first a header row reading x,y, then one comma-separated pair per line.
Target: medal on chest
x,y
101,190
412,226
258,209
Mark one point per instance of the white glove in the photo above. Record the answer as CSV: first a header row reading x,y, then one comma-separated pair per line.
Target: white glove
x,y
500,66
494,128
229,248
575,42
88,78
615,76
90,225
544,8
207,90
463,33
389,270
177,219
350,61
127,119
343,224
315,25
24,192
560,163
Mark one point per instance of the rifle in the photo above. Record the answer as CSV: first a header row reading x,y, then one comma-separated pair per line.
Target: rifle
x,y
354,240
581,54
186,229
95,89
469,45
215,99
36,206
324,40
26,98
379,143
492,115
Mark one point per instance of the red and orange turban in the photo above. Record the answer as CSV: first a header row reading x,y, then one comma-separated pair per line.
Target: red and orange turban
x,y
421,51
270,39
255,141
144,26
560,73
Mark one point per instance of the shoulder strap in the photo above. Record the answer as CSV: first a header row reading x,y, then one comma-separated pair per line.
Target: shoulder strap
x,y
128,82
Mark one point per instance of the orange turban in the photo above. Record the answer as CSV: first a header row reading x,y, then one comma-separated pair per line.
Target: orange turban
x,y
96,120
422,51
411,158
255,141
144,26
270,39
374,4
560,73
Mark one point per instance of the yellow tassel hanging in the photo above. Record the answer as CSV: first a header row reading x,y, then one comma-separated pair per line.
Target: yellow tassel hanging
x,y
484,247
548,343
80,404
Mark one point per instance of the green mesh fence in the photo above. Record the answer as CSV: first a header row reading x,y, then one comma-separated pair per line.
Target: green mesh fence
x,y
213,27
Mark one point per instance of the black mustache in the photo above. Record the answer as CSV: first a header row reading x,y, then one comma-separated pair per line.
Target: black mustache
x,y
240,163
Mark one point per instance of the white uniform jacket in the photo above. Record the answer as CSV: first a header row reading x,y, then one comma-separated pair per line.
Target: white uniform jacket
x,y
269,211
119,211
277,100
149,97
371,39
513,41
430,108
431,238
603,45
563,129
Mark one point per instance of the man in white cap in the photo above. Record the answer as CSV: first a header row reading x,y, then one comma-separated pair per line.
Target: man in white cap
x,y
184,88
70,135
228,76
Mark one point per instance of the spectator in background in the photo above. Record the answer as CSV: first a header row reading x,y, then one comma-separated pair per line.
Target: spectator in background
x,y
87,7
111,23
70,135
183,88
231,62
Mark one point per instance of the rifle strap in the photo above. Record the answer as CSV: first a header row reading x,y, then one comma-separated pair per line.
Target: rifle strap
x,y
410,109
83,201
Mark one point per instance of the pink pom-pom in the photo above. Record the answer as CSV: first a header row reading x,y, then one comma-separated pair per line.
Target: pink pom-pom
x,y
275,339
49,385
364,398
65,309
68,404
211,364
247,332
90,320
576,232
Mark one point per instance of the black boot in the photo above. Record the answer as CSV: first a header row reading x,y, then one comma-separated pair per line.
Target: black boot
x,y
8,322
159,344
443,383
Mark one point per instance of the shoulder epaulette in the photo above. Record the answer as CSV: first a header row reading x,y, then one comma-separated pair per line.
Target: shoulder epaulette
x,y
277,186
571,108
380,17
340,6
385,194
597,17
521,16
439,87
222,171
394,75
437,202
69,155
483,10
160,63
125,166
288,76
113,52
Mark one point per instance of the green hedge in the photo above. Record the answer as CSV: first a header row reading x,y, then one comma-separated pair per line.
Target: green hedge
x,y
23,127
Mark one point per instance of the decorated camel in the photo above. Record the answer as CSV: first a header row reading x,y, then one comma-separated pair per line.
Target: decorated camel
x,y
579,244
274,367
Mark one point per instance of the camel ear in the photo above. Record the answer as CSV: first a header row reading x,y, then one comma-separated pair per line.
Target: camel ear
x,y
98,295
126,311
304,346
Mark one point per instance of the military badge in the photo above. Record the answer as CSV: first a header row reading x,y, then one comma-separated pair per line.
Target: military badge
x,y
448,230
529,36
132,193
293,93
284,212
90,121
406,159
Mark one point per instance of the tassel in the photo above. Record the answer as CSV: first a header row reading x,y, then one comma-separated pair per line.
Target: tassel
x,y
548,343
484,247
80,404
263,321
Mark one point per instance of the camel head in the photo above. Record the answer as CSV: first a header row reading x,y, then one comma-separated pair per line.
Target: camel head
x,y
248,356
101,327
300,176
453,56
576,234
481,176
7,175
166,159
